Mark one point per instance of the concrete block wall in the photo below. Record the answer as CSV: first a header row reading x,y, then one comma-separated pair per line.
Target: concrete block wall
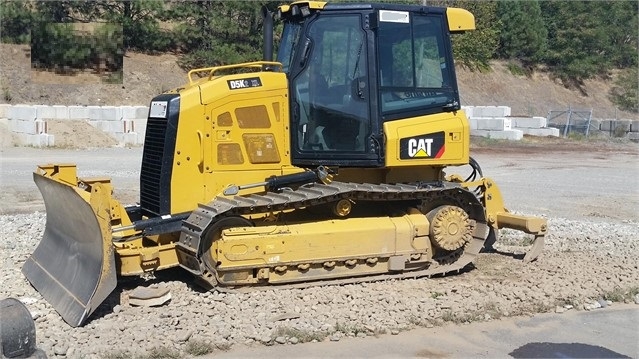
x,y
497,122
617,126
127,124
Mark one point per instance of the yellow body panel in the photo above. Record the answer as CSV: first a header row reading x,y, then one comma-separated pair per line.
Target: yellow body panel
x,y
136,259
460,20
328,243
434,140
229,136
315,5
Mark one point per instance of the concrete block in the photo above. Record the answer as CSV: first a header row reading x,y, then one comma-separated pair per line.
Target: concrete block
x,y
541,132
472,122
633,136
468,110
44,112
39,140
21,126
529,122
606,125
61,112
623,125
494,124
129,138
139,126
27,127
513,135
595,125
79,112
141,112
615,125
134,112
3,110
128,112
491,111
95,113
41,126
111,113
634,125
21,112
128,126
56,112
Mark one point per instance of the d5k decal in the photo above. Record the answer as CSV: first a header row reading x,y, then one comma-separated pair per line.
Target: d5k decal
x,y
244,83
430,145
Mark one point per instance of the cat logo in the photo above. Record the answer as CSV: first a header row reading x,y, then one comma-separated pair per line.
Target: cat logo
x,y
426,146
419,147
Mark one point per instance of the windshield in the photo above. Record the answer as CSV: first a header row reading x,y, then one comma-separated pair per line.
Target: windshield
x,y
290,38
414,71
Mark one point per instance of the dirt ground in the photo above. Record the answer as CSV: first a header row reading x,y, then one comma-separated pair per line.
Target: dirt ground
x,y
144,77
78,134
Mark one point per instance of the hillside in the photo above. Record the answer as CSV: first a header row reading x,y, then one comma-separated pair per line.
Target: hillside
x,y
146,76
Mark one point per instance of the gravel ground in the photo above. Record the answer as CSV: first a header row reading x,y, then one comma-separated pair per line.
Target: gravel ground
x,y
589,262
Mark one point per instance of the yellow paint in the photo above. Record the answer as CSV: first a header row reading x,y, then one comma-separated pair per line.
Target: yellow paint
x,y
460,20
456,132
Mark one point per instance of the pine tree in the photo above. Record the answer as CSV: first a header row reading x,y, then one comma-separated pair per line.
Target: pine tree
x,y
523,33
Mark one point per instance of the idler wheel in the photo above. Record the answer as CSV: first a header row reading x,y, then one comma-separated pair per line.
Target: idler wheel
x,y
450,227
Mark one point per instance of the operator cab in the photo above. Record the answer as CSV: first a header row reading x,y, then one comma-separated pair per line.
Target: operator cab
x,y
351,67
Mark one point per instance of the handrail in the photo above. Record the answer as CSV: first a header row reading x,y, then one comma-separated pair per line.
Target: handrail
x,y
213,70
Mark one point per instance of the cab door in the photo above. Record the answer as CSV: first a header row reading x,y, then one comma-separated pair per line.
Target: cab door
x,y
331,122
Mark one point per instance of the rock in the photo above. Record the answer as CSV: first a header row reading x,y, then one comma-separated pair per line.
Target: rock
x,y
602,303
361,335
284,316
184,336
637,298
28,300
568,307
150,296
60,349
559,309
394,331
595,305
237,318
370,328
280,340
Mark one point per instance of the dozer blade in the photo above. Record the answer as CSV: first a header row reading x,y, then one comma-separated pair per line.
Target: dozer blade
x,y
73,267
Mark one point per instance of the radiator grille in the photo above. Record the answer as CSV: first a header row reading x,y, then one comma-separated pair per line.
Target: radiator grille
x,y
157,159
152,165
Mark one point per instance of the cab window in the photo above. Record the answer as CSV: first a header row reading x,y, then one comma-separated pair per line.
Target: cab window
x,y
414,71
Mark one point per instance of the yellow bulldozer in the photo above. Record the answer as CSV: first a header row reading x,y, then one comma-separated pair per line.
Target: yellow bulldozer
x,y
327,165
